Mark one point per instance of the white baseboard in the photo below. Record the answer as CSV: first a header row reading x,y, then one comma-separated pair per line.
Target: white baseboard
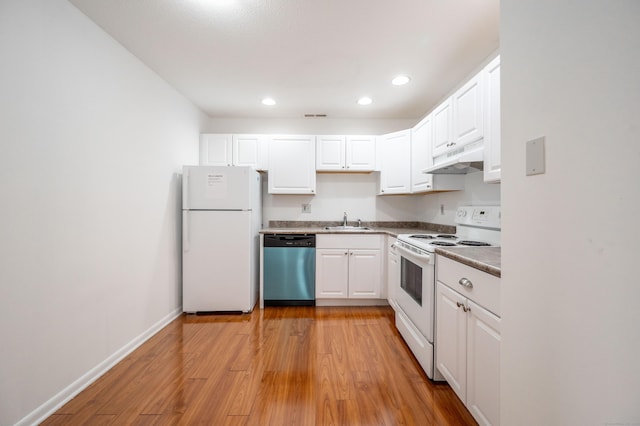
x,y
352,302
52,405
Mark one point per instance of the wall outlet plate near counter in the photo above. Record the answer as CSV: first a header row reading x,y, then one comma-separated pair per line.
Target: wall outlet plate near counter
x,y
535,157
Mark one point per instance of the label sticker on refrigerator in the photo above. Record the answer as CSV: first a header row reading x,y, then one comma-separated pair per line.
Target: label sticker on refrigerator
x,y
216,185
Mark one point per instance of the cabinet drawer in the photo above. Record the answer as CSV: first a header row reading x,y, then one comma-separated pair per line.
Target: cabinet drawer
x,y
485,289
349,241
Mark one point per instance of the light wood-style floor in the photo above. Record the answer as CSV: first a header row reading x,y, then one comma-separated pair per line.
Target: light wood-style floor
x,y
277,366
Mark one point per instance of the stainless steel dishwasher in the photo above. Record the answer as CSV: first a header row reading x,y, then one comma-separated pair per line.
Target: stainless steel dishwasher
x,y
289,270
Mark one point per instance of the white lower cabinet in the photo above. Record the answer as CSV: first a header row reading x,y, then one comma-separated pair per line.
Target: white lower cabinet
x,y
483,365
468,337
348,266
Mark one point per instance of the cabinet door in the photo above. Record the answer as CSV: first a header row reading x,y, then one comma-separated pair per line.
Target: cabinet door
x,y
330,153
442,128
421,140
483,365
215,149
451,339
468,122
250,150
292,165
395,174
332,273
492,163
360,153
365,272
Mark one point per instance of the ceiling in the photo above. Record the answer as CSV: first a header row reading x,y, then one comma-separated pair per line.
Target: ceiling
x,y
311,56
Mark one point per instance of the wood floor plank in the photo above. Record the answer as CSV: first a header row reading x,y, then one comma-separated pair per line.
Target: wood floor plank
x,y
276,366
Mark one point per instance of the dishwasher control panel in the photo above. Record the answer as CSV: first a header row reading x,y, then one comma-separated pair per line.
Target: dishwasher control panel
x,y
289,240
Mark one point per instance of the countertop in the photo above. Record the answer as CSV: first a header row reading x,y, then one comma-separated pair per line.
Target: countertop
x,y
387,228
486,259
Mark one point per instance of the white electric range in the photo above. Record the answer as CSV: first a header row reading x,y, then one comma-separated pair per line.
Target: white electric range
x,y
477,226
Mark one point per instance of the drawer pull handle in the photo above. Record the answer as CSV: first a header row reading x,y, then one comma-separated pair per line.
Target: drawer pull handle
x,y
464,308
465,282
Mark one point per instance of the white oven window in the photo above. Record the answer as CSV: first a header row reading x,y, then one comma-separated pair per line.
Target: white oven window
x,y
411,279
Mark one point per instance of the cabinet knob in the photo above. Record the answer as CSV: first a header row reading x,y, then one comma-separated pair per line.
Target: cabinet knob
x,y
465,282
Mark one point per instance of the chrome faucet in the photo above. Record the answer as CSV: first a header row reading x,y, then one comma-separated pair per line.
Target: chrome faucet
x,y
359,223
344,219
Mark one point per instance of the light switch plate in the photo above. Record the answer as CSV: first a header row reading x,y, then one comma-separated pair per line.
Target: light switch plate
x,y
535,156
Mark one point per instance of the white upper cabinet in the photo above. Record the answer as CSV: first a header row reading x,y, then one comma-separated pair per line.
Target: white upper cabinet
x,y
292,164
459,120
421,141
216,150
442,128
345,153
395,172
492,163
250,150
468,125
331,153
361,153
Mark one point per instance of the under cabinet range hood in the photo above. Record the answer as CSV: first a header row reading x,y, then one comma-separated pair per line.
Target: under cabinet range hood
x,y
459,163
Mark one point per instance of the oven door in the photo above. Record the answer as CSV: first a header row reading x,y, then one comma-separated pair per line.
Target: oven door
x,y
415,297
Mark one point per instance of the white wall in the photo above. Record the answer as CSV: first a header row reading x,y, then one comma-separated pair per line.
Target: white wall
x,y
91,145
571,293
356,193
476,192
312,126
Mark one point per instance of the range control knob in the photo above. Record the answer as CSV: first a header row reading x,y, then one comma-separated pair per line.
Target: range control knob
x,y
462,213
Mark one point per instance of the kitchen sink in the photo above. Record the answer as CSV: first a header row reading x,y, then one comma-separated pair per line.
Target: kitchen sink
x,y
347,228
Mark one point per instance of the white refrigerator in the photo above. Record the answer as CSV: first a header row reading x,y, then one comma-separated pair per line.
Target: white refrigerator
x,y
221,220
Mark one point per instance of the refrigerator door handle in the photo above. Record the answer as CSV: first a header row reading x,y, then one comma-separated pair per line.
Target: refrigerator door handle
x,y
185,189
185,231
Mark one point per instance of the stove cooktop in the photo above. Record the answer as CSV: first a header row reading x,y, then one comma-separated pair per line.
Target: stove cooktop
x,y
429,242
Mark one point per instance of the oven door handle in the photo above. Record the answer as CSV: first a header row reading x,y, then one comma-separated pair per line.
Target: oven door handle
x,y
410,254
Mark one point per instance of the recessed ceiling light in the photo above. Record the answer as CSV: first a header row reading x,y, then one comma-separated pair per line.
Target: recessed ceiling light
x,y
268,101
400,80
364,101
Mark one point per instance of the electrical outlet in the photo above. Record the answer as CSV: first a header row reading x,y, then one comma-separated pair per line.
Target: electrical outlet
x,y
441,208
306,208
